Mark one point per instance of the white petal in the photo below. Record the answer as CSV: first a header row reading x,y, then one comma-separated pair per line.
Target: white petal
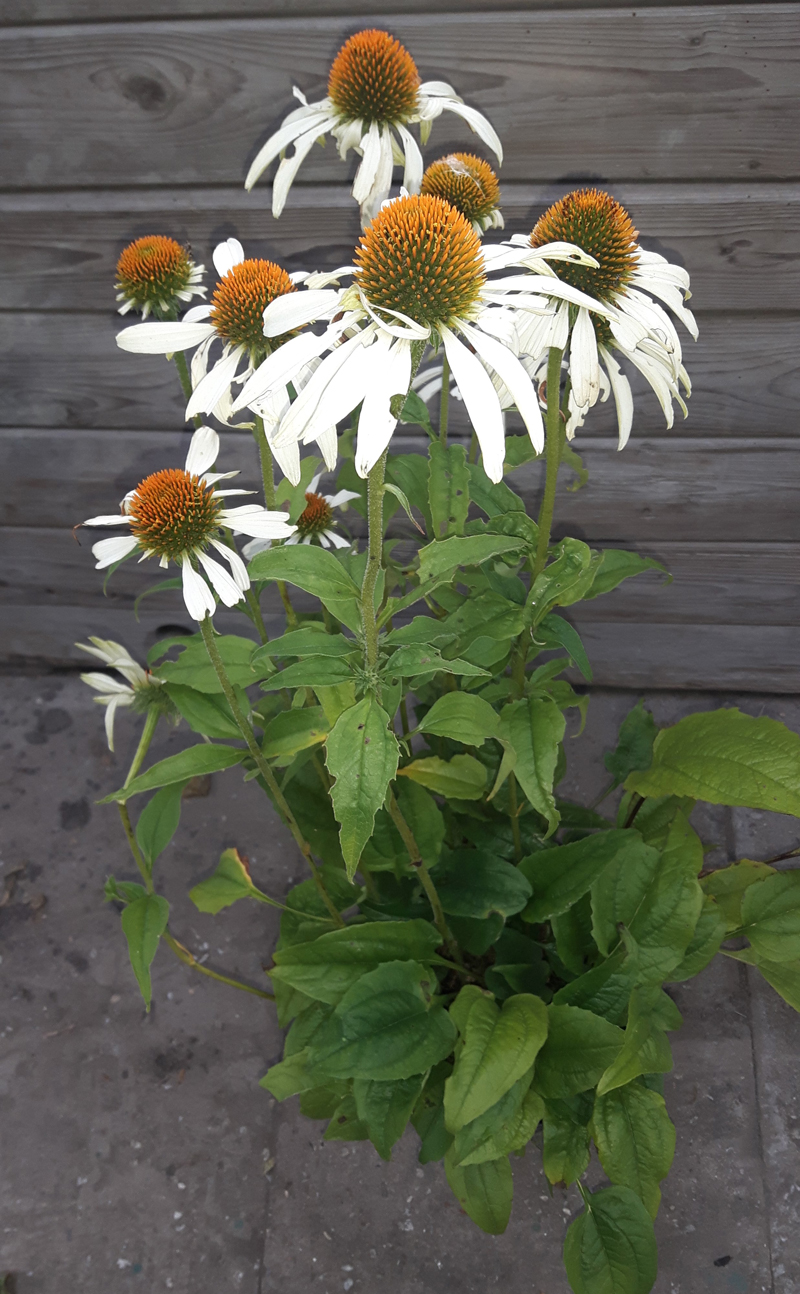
x,y
622,396
288,459
106,684
389,375
513,375
297,123
365,175
258,522
323,540
218,379
348,135
341,496
196,594
116,519
111,710
671,296
481,402
254,546
238,568
382,180
328,445
281,367
289,166
108,551
226,255
583,365
163,338
199,365
197,313
439,89
659,379
478,124
338,401
414,165
223,583
296,309
203,452
338,541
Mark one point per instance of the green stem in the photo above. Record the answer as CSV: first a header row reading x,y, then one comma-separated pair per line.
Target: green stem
x,y
186,382
144,744
374,559
514,815
138,857
186,957
473,447
553,458
268,483
444,400
291,614
207,630
148,730
415,858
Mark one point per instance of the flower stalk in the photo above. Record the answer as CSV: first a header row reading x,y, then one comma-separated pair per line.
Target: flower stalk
x,y
374,560
416,860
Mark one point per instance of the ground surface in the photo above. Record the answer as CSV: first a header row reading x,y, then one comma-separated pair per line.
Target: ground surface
x,y
138,1153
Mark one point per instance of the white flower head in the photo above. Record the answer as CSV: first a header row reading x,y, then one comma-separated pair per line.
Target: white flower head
x,y
233,319
114,694
178,514
315,523
374,95
420,277
157,276
601,309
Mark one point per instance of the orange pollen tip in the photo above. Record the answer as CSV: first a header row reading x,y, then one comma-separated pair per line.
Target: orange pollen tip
x,y
240,298
173,513
374,78
465,181
153,269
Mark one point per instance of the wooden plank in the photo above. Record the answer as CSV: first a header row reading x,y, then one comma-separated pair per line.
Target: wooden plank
x,y
58,251
65,370
23,12
692,93
719,657
713,583
658,490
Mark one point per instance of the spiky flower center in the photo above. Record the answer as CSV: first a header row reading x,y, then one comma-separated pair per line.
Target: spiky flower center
x,y
373,78
465,181
152,271
316,517
596,222
173,513
240,298
422,257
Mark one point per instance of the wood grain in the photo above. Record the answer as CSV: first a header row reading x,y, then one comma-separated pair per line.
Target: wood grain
x,y
686,93
663,489
65,370
58,251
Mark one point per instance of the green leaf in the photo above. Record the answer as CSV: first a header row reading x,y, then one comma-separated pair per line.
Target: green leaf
x,y
310,640
345,1124
708,935
158,821
580,1046
572,459
565,580
313,671
194,762
193,667
328,967
446,555
634,752
476,935
610,1248
410,473
645,1049
289,1076
771,916
499,1046
535,727
415,412
462,717
565,1141
361,754
459,778
573,935
323,1102
728,885
335,700
484,1191
295,495
206,712
428,1116
414,659
387,1026
385,1108
144,921
448,488
474,884
561,876
493,499
316,571
619,891
665,920
295,730
726,757
506,1127
554,631
616,565
230,881
635,1140
784,977
604,989
404,503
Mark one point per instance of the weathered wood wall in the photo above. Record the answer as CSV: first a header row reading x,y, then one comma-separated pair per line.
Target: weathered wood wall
x,y
135,116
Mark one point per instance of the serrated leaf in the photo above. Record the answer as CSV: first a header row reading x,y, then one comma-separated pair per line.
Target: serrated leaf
x,y
554,631
499,1046
784,977
507,1126
361,754
316,571
446,555
194,762
345,1125
328,967
771,916
708,935
312,671
618,892
566,579
471,883
158,821
634,751
635,1140
580,1046
561,876
193,667
415,412
294,730
404,503
310,640
610,1248
565,1141
144,921
206,712
461,716
616,565
385,1108
414,660
484,1191
645,1048
664,923
448,488
727,887
534,728
605,989
726,757
459,778
231,881
289,1076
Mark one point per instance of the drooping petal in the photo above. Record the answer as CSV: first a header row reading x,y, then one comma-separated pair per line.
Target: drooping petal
x,y
296,309
437,90
105,683
583,366
513,375
328,444
226,255
288,459
314,117
254,546
481,402
289,166
224,584
337,540
671,296
623,398
382,180
478,124
108,551
238,568
196,594
342,496
280,367
414,165
337,397
365,175
203,452
163,338
199,365
115,519
389,374
111,709
213,386
258,522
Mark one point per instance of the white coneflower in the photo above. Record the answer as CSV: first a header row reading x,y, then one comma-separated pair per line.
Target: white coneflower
x,y
374,94
156,275
232,317
621,274
114,694
419,277
178,514
470,185
315,521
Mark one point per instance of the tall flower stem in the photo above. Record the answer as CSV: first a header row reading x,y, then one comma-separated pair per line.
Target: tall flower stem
x,y
415,858
444,400
552,458
268,482
183,955
374,559
186,382
148,730
263,767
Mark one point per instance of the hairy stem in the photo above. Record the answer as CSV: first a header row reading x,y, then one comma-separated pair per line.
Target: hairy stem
x,y
186,382
415,858
553,458
151,720
263,767
374,560
138,857
268,483
444,400
183,955
514,816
